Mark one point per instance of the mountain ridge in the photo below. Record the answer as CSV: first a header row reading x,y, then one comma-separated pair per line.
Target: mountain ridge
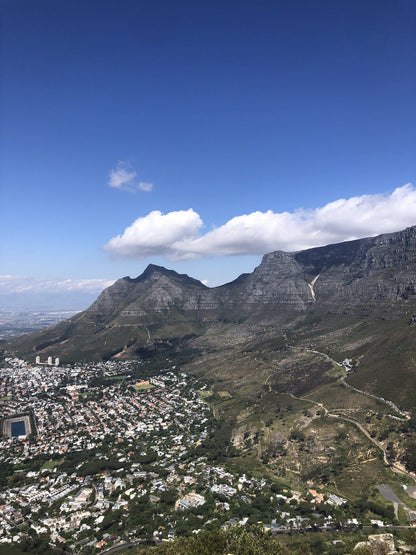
x,y
374,276
299,356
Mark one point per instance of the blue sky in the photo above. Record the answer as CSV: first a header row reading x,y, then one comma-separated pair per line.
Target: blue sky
x,y
131,130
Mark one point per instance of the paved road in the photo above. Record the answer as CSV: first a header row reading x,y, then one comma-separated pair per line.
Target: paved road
x,y
389,495
130,545
405,415
386,459
411,491
366,433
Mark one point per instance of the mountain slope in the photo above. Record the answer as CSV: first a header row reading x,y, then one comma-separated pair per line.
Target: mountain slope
x,y
310,293
268,343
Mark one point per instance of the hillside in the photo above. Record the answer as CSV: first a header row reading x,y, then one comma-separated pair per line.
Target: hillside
x,y
271,344
307,292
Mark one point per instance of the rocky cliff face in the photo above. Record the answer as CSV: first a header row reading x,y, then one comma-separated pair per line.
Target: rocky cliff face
x,y
156,291
374,275
378,271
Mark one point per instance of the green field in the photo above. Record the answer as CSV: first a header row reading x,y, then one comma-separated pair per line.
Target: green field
x,y
51,464
143,387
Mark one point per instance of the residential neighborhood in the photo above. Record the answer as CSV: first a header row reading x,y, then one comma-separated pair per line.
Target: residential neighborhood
x,y
114,456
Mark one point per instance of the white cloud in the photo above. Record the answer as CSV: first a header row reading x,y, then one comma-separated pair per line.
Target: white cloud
x,y
156,234
123,177
21,284
176,236
147,187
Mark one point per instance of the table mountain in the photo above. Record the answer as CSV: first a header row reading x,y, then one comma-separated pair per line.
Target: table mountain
x,y
375,276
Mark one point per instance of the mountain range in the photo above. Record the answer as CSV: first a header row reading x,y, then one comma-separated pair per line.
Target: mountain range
x,y
374,273
347,298
271,346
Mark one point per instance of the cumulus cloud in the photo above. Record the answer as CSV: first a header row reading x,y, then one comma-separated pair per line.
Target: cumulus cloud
x,y
124,178
176,234
156,234
21,284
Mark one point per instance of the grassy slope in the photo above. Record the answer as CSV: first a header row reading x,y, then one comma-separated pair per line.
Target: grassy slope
x,y
277,387
275,383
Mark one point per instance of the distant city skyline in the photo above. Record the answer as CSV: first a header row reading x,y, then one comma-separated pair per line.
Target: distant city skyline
x,y
197,136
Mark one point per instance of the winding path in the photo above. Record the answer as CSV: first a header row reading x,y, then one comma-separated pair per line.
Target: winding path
x,y
405,416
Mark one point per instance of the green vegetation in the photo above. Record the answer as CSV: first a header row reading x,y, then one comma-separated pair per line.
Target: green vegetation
x,y
205,393
253,541
38,546
51,464
238,541
282,415
115,378
224,394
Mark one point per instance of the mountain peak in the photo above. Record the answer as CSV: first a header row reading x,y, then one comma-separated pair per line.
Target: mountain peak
x,y
374,276
280,263
150,271
155,269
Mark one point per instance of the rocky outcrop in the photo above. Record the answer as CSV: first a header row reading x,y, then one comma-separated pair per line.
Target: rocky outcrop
x,y
382,544
156,291
374,276
373,272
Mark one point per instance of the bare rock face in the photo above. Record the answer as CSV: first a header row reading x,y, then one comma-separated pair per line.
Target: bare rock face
x,y
156,291
276,291
111,298
280,279
367,272
370,273
373,276
378,544
374,273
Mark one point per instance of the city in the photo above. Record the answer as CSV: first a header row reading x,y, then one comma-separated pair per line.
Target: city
x,y
109,457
